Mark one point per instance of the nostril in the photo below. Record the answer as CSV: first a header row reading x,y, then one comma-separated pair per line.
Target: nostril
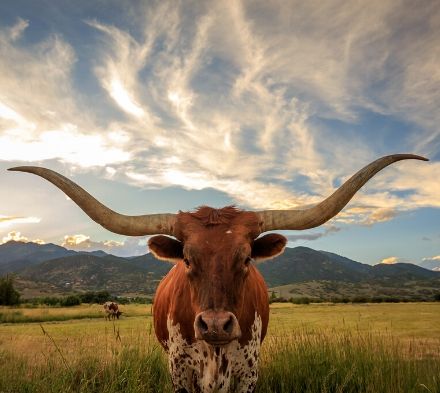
x,y
202,325
229,325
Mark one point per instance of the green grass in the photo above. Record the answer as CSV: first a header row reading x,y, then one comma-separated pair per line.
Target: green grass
x,y
385,348
332,361
49,314
131,370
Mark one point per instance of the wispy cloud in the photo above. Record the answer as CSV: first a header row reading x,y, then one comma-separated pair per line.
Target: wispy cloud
x,y
6,221
41,117
313,236
243,98
432,263
434,258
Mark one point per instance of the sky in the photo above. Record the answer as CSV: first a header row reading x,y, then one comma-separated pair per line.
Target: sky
x,y
161,106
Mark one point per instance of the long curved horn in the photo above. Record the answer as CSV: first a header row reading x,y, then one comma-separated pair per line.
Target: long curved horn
x,y
329,207
118,223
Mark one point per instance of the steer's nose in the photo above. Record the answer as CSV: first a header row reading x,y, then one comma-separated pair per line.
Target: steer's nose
x,y
216,327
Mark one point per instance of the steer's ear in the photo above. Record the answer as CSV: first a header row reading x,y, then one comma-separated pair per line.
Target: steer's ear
x,y
268,246
166,248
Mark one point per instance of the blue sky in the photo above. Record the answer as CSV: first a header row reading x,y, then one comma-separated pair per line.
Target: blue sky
x,y
161,106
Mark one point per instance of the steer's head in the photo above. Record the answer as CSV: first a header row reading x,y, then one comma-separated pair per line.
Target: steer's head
x,y
215,246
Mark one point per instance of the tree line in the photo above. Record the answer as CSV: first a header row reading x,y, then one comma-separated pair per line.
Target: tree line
x,y
9,296
355,299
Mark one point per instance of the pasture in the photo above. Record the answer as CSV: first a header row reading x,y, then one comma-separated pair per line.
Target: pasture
x,y
310,348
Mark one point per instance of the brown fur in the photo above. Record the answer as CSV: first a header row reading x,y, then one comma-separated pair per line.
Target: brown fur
x,y
213,271
111,310
210,216
217,278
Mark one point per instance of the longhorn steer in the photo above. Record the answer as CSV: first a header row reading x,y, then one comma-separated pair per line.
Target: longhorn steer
x,y
211,310
111,310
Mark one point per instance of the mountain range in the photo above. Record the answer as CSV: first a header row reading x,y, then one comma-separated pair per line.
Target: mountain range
x,y
48,268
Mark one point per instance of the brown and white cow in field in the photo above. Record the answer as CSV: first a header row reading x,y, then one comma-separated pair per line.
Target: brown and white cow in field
x,y
111,310
211,311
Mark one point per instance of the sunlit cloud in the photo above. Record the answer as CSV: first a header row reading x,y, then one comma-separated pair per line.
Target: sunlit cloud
x,y
74,240
390,260
128,247
434,258
39,116
236,97
7,221
67,144
17,237
8,113
123,99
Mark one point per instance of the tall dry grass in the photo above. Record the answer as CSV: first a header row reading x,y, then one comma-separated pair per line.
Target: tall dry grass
x,y
349,361
50,314
95,356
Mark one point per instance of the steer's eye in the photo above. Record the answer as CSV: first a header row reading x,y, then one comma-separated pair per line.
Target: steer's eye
x,y
248,261
186,262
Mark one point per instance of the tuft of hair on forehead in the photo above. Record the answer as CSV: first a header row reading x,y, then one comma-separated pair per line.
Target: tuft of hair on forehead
x,y
211,216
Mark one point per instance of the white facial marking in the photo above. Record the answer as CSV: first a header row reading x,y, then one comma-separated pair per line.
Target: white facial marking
x,y
212,369
228,231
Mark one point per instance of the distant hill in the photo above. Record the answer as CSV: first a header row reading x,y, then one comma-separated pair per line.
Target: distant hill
x,y
304,264
349,263
431,264
402,271
15,256
84,272
301,264
412,289
57,269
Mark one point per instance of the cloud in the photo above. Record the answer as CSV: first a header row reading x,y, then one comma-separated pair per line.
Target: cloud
x,y
129,247
16,31
65,143
6,221
16,236
247,99
312,236
432,263
390,260
434,258
41,114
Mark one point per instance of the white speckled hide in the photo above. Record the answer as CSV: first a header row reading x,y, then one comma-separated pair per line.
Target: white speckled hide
x,y
200,367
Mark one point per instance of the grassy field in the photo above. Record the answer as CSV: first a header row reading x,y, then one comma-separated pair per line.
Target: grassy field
x,y
310,348
51,314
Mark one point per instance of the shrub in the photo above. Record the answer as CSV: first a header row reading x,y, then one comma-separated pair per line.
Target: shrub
x,y
50,301
70,301
300,300
95,297
9,296
359,299
392,300
278,300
